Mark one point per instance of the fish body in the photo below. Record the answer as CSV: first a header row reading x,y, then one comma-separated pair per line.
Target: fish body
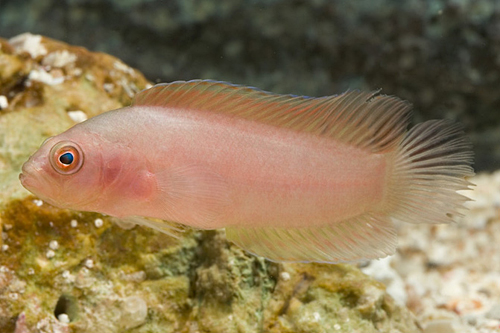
x,y
290,178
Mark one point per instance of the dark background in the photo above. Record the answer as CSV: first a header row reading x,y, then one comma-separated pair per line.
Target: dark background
x,y
442,56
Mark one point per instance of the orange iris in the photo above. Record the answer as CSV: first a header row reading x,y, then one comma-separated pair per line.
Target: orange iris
x,y
66,157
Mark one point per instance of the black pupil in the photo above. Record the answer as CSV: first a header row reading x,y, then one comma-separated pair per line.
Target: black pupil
x,y
66,158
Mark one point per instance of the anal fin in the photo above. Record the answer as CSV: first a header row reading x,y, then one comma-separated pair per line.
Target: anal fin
x,y
365,237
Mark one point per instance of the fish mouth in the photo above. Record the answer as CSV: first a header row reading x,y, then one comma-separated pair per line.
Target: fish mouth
x,y
27,177
23,175
33,179
24,178
32,183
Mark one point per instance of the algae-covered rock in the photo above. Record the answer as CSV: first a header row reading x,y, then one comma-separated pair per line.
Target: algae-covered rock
x,y
66,271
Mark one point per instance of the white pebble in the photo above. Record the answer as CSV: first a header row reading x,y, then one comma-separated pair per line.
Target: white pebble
x,y
63,318
89,263
50,254
5,247
4,103
98,223
59,59
382,271
54,245
316,316
77,116
494,312
77,72
337,327
440,326
44,77
7,227
38,202
30,43
122,67
285,276
74,223
31,271
108,87
135,311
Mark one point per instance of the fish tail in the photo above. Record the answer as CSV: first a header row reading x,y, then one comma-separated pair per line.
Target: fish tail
x,y
433,162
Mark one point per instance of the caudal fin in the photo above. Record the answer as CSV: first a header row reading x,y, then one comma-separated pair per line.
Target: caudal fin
x,y
433,162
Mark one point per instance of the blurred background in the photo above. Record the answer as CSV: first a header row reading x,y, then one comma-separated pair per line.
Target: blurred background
x,y
441,55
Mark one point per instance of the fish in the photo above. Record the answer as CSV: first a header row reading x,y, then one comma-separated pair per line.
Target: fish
x,y
290,178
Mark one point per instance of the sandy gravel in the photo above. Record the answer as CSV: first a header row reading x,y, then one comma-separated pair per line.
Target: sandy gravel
x,y
449,275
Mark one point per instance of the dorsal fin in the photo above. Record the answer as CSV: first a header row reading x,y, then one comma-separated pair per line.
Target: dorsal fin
x,y
367,120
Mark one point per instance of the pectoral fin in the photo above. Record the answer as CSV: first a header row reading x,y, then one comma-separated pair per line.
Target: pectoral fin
x,y
194,195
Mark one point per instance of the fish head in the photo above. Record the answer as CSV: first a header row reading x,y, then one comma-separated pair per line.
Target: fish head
x,y
65,171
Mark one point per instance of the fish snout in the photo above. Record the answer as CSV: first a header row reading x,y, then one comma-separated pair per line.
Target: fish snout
x,y
30,172
24,168
25,176
22,177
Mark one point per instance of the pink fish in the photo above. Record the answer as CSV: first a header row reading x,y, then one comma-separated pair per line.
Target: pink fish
x,y
289,178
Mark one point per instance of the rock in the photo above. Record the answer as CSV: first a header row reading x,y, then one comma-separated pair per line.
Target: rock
x,y
141,281
66,271
382,271
440,326
451,276
494,312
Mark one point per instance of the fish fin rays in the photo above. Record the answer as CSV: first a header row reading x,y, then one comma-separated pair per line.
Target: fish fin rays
x,y
199,193
170,228
368,236
433,163
368,120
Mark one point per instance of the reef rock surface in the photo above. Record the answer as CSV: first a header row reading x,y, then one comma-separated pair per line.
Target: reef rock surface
x,y
65,271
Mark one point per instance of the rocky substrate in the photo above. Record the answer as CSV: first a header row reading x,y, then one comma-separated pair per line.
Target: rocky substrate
x,y
449,275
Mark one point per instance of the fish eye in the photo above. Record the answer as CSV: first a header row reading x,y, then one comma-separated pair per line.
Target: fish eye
x,y
66,157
